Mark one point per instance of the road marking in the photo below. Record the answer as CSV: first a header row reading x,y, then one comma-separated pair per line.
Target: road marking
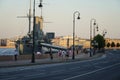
x,y
91,72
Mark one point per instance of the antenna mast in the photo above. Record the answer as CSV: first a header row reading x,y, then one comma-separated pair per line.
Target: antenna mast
x,y
29,16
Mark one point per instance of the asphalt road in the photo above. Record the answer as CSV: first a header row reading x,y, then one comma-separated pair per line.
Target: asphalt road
x,y
106,67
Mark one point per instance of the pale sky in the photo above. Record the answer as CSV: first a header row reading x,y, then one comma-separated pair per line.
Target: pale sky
x,y
60,14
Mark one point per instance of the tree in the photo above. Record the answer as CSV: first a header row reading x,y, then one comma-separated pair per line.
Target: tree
x,y
108,45
100,40
112,44
118,45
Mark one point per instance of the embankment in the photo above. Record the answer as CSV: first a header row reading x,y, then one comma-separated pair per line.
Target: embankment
x,y
26,57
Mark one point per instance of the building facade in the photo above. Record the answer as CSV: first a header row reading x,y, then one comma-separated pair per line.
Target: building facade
x,y
115,41
7,43
67,41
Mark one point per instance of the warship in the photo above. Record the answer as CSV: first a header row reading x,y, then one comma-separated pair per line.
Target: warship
x,y
36,39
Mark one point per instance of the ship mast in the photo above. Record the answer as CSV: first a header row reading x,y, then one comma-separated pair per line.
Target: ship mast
x,y
29,16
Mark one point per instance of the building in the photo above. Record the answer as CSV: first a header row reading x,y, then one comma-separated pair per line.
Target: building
x,y
116,41
67,41
7,43
108,40
3,42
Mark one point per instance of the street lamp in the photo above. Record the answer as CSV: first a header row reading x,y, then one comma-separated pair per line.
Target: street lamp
x,y
95,28
91,25
40,5
104,32
33,50
76,12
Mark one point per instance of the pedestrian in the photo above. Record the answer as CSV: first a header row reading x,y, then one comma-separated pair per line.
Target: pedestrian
x,y
70,52
38,53
51,55
15,55
63,55
67,54
77,51
59,53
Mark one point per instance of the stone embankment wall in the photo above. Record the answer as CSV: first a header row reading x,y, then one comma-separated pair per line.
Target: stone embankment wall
x,y
26,57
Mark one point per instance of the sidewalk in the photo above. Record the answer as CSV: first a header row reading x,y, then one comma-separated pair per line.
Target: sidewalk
x,y
78,57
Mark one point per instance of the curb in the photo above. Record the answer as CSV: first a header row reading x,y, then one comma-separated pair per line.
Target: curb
x,y
52,61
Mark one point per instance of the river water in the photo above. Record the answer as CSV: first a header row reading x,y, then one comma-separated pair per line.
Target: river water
x,y
7,51
11,51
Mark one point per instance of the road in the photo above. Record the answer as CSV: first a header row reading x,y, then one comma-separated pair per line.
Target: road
x,y
106,67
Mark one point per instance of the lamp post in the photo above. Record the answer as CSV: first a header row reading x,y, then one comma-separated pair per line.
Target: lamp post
x,y
104,33
95,28
33,50
76,12
91,25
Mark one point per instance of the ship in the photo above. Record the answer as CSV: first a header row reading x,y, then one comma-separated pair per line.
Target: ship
x,y
36,40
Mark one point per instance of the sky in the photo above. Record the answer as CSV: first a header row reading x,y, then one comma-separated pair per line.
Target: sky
x,y
60,15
